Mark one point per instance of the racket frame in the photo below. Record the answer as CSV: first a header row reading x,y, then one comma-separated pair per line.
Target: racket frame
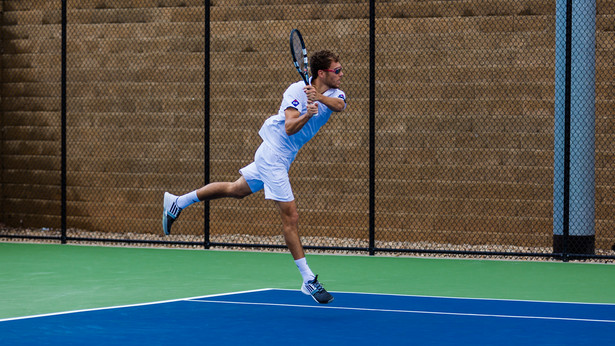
x,y
304,73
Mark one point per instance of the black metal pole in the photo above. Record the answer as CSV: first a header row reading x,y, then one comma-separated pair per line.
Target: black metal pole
x,y
372,127
63,128
206,95
567,103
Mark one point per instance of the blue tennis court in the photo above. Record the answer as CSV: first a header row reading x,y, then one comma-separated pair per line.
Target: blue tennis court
x,y
274,316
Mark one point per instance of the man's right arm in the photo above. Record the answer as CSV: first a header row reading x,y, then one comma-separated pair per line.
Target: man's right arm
x,y
294,120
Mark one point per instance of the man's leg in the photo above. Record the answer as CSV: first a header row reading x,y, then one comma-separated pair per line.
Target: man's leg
x,y
236,189
290,223
173,205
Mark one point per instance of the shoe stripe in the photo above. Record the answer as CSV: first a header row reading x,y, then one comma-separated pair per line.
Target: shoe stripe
x,y
314,287
174,209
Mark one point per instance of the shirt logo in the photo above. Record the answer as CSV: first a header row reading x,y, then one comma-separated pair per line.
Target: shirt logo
x,y
295,102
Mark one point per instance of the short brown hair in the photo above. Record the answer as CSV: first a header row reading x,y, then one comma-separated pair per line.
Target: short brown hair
x,y
321,60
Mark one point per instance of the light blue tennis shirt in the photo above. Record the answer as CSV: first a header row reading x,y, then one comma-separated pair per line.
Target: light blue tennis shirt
x,y
273,131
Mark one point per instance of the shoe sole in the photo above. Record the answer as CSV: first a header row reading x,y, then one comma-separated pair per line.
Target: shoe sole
x,y
167,196
327,302
164,223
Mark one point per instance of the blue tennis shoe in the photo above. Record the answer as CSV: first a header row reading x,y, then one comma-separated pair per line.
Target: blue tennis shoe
x,y
314,288
170,213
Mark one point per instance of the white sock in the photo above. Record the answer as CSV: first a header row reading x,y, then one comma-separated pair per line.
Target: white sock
x,y
187,199
304,269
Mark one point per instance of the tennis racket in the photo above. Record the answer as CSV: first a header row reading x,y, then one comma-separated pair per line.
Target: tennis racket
x,y
299,53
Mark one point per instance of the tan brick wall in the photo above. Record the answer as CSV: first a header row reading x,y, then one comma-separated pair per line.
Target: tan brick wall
x,y
464,116
135,111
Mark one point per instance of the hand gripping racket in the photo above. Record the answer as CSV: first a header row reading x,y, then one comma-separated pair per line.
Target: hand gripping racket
x,y
299,53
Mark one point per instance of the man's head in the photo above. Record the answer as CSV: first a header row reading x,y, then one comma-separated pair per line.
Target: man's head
x,y
326,66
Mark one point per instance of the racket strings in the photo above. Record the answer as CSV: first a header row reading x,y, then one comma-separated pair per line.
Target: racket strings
x,y
298,52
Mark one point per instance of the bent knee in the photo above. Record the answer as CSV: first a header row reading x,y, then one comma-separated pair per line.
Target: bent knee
x,y
239,191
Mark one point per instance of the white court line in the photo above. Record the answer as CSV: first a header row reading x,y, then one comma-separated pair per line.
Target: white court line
x,y
463,298
195,299
131,305
407,311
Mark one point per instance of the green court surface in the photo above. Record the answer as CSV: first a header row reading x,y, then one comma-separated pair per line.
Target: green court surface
x,y
46,278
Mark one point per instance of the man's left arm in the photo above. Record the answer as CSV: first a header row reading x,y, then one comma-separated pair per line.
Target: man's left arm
x,y
335,104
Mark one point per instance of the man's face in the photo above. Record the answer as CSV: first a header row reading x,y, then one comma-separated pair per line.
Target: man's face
x,y
333,75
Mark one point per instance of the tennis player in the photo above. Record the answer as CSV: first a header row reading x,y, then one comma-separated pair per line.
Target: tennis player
x,y
304,110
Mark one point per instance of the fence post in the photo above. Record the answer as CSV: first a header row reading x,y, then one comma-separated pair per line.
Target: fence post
x,y
63,129
574,162
372,126
206,95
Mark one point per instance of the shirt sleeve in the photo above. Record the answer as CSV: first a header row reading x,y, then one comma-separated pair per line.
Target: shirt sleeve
x,y
294,97
342,95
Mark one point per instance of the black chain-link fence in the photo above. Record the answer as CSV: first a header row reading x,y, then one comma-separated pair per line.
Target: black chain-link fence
x,y
480,127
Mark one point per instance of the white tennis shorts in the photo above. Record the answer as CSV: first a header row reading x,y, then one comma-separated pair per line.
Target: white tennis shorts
x,y
269,171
